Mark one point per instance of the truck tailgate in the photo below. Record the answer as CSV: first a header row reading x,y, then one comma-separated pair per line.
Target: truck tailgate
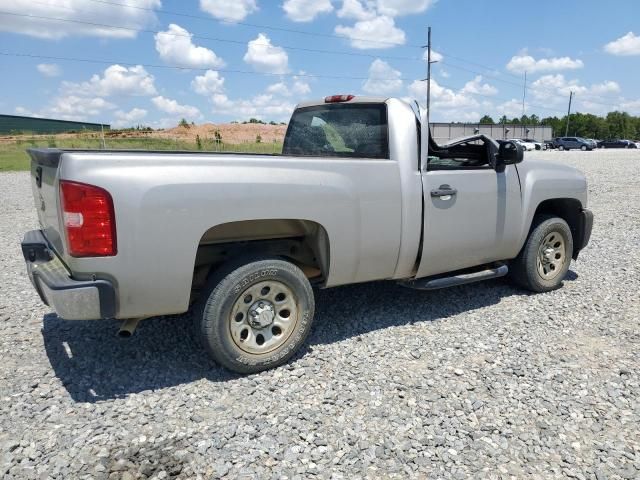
x,y
44,184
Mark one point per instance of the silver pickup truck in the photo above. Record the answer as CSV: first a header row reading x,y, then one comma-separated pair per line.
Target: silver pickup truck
x,y
360,193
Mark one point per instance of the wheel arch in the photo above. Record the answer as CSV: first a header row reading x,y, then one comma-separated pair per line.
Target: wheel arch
x,y
303,242
569,210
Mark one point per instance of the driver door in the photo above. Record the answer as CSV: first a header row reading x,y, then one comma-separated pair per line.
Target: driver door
x,y
471,215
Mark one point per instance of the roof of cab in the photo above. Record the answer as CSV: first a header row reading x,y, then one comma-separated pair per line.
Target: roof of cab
x,y
355,99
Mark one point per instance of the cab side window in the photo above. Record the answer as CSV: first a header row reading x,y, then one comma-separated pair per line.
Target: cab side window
x,y
469,156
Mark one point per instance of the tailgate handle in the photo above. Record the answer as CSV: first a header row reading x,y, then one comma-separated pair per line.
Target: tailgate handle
x,y
39,177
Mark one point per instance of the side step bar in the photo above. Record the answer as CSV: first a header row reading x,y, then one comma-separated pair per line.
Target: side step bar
x,y
430,283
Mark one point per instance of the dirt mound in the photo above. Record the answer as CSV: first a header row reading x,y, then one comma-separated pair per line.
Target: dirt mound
x,y
230,132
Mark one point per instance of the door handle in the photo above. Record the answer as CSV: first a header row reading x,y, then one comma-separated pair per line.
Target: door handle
x,y
443,191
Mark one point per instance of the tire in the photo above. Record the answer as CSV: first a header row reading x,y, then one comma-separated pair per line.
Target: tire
x,y
532,268
255,314
583,148
561,148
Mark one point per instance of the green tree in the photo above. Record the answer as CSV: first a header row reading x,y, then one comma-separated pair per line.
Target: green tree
x,y
486,119
184,123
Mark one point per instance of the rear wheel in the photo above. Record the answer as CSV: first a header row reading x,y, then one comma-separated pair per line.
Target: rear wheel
x,y
544,260
257,315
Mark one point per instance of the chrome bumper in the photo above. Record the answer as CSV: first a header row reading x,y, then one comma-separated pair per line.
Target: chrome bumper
x,y
71,299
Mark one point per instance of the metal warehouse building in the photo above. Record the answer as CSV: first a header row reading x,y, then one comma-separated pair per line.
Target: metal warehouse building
x,y
447,131
16,124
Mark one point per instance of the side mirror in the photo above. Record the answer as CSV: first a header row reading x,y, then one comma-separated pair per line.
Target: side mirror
x,y
510,153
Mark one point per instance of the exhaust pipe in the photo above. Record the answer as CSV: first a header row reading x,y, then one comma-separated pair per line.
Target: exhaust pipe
x,y
128,327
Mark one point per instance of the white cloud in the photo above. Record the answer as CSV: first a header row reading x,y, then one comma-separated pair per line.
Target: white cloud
x,y
526,63
299,87
128,119
265,57
79,101
130,17
476,86
273,104
74,107
175,46
554,91
172,107
448,104
265,106
232,11
357,10
49,69
511,108
383,79
631,106
379,32
435,56
395,8
626,45
116,80
306,10
208,84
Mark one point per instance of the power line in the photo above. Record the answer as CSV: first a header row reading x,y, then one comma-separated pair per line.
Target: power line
x,y
254,25
480,73
186,67
246,72
287,47
204,37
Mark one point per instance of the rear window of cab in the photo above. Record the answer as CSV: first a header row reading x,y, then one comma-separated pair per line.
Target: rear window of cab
x,y
357,130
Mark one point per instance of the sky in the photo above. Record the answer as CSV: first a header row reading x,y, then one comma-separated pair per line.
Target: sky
x,y
154,62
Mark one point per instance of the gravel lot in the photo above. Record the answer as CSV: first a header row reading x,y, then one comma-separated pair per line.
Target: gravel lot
x,y
480,381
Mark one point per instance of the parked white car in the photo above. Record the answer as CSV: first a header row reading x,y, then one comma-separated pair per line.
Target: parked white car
x,y
536,144
525,145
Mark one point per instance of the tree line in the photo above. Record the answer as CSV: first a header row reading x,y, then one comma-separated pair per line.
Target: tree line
x,y
613,125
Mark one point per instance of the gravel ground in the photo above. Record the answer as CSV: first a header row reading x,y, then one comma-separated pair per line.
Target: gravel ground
x,y
480,381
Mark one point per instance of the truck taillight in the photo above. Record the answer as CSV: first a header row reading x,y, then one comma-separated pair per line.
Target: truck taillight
x,y
338,98
89,220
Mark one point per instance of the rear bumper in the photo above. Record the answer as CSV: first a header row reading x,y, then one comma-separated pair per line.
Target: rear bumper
x,y
71,299
583,233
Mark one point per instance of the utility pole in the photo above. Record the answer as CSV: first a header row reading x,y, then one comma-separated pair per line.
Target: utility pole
x,y
428,79
524,92
428,74
566,132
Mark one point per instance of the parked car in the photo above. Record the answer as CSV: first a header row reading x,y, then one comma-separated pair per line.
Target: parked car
x,y
550,144
361,192
526,146
592,142
536,144
571,143
616,143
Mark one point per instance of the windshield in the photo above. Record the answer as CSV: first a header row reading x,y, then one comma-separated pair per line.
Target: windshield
x,y
338,130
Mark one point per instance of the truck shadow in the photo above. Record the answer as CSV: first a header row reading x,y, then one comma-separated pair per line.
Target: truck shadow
x,y
94,365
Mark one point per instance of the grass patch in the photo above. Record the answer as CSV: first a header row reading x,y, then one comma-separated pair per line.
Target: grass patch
x,y
13,155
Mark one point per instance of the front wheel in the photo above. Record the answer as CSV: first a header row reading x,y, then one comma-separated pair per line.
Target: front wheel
x,y
544,260
583,148
257,315
561,148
